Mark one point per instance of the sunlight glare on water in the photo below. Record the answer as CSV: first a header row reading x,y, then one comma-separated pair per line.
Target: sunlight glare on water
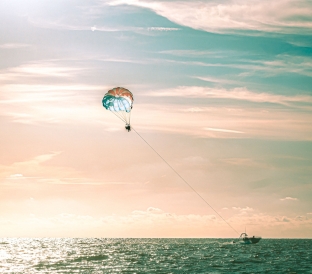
x,y
153,256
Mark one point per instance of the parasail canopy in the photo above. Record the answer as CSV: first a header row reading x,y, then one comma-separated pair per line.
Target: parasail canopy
x,y
119,101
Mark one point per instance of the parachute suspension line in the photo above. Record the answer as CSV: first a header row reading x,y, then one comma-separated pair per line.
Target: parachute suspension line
x,y
125,115
121,112
119,117
184,180
128,116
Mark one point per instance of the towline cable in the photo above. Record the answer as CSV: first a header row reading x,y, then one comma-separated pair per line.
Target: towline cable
x,y
184,180
201,197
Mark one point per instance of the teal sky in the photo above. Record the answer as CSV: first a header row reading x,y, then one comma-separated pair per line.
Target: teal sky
x,y
222,90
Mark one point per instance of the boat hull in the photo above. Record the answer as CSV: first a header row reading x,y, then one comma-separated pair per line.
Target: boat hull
x,y
251,240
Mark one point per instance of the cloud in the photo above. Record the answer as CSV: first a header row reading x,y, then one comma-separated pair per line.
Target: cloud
x,y
255,120
40,171
242,94
88,17
49,103
295,42
195,160
81,181
194,109
39,70
219,80
286,220
152,222
33,169
138,223
154,210
242,162
44,91
224,130
162,29
124,60
243,209
228,16
281,64
289,199
77,27
16,176
281,16
265,222
14,46
197,53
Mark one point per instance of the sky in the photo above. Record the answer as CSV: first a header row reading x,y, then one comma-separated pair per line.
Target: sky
x,y
222,91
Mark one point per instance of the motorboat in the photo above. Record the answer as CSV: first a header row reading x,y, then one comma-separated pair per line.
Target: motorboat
x,y
245,239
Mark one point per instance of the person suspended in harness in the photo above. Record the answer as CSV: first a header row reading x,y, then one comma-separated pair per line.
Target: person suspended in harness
x,y
128,127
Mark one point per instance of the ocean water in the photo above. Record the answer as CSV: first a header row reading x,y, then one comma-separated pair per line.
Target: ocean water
x,y
90,255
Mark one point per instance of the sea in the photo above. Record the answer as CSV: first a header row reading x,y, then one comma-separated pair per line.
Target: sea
x,y
101,255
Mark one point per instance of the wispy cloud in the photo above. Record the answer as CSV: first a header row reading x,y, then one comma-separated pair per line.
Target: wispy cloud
x,y
237,94
263,121
30,94
124,60
81,181
281,64
219,80
242,162
299,43
14,46
37,170
30,168
85,24
224,130
162,29
15,176
195,53
289,199
283,16
38,69
243,209
46,103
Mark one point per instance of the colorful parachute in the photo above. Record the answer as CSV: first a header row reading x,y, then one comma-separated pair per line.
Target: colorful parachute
x,y
119,101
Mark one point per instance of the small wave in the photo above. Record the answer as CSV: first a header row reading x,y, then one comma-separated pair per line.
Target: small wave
x,y
91,258
226,245
257,261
